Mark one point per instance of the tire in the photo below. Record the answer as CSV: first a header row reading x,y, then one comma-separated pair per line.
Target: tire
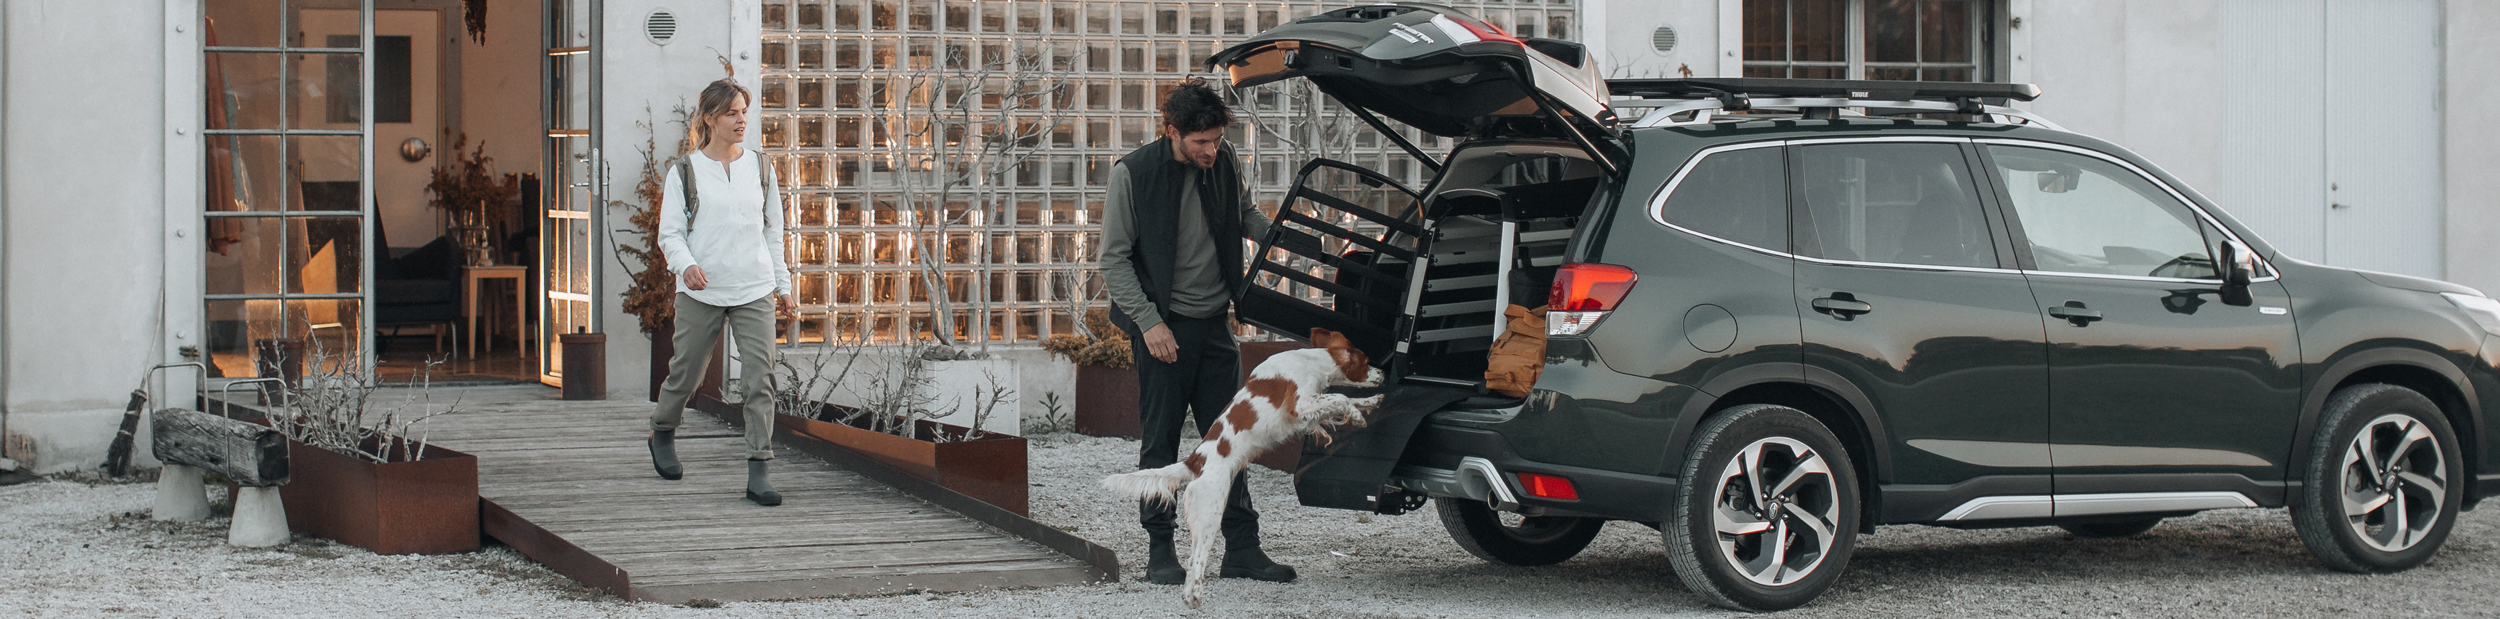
x,y
2356,519
1523,541
1814,520
2106,530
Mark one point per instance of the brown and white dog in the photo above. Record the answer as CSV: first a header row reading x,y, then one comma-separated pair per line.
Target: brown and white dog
x,y
1285,398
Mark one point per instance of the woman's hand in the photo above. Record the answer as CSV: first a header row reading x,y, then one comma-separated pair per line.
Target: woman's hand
x,y
784,307
694,278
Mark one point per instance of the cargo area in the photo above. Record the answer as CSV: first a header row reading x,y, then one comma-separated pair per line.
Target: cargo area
x,y
1420,279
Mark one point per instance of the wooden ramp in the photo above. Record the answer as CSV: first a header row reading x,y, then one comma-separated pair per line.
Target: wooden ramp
x,y
570,485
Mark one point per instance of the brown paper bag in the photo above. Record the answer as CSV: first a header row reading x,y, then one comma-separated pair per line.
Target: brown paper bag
x,y
1518,355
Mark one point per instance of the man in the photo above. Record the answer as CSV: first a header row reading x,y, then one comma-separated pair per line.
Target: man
x,y
1171,258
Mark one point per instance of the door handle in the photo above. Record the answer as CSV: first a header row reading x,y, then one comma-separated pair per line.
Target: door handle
x,y
2075,313
1842,305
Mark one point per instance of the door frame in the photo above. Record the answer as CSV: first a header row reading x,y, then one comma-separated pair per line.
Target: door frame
x,y
555,184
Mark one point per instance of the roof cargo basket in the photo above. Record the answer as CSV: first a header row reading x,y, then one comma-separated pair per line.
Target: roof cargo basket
x,y
1698,99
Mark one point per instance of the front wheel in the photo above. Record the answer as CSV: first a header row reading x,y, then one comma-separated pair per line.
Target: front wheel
x,y
1511,539
1767,513
2380,488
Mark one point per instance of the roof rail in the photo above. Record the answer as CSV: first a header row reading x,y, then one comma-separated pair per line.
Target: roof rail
x,y
1697,87
1815,98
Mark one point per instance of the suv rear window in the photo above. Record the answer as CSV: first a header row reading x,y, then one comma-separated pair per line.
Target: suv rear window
x,y
1891,202
1739,196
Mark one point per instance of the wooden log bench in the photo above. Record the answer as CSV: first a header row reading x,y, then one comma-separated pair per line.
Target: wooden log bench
x,y
253,456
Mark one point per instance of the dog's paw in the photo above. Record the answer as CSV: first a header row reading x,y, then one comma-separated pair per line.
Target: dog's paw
x,y
1323,436
1369,403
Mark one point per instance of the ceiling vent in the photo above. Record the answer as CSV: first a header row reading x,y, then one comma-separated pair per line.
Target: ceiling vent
x,y
660,26
1662,39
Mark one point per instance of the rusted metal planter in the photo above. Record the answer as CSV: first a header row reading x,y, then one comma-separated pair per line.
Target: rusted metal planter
x,y
428,506
1106,402
992,468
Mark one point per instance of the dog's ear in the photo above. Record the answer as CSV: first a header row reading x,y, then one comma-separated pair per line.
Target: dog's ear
x,y
1351,362
1324,338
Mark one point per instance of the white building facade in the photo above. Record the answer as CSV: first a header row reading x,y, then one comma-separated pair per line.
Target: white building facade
x,y
2342,130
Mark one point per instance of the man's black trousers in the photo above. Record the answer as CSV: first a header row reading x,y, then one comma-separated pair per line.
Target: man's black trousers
x,y
1202,378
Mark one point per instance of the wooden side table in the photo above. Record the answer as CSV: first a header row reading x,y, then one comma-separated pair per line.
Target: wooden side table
x,y
519,275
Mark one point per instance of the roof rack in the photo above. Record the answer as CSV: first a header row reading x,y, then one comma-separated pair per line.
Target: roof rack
x,y
1817,98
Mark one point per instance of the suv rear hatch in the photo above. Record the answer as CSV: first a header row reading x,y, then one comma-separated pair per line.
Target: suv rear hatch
x,y
1419,278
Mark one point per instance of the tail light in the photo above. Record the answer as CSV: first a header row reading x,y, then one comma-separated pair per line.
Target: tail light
x,y
1583,294
1473,31
1548,486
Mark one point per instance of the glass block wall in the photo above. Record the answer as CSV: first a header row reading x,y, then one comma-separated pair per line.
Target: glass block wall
x,y
871,106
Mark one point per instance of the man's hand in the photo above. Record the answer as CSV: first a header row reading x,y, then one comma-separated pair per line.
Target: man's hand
x,y
1159,343
694,277
784,307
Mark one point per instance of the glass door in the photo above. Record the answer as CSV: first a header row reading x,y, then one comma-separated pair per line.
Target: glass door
x,y
569,243
288,161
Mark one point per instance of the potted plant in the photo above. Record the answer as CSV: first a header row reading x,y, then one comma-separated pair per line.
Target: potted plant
x,y
900,403
466,189
364,473
1106,385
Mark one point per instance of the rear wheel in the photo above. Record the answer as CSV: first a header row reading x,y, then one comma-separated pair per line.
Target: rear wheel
x,y
2123,528
2381,486
1767,515
1512,539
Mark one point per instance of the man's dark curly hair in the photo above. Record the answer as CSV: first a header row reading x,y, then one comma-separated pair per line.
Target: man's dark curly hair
x,y
1193,107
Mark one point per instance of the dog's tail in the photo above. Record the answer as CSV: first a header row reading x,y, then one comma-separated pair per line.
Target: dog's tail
x,y
1151,484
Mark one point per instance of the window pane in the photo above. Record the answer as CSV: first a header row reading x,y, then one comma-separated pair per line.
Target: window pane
x,y
243,23
331,332
243,173
1891,31
1891,203
232,327
1740,196
324,254
243,90
1819,31
1944,31
324,172
243,255
2085,215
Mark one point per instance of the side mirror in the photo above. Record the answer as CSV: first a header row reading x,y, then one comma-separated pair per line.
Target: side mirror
x,y
2239,268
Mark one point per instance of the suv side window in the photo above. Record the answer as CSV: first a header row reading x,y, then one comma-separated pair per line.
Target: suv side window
x,y
1739,196
1891,202
2086,215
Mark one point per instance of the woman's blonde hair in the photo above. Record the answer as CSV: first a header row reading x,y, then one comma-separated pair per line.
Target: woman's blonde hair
x,y
714,103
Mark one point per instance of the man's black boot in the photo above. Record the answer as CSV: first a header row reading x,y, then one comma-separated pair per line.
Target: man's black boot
x,y
1252,563
1162,566
664,454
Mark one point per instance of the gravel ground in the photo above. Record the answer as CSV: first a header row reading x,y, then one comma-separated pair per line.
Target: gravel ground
x,y
72,548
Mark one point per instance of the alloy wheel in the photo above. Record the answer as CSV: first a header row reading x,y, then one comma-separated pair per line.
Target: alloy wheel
x,y
1778,508
2394,482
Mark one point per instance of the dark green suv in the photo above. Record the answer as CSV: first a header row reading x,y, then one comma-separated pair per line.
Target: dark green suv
x,y
1782,312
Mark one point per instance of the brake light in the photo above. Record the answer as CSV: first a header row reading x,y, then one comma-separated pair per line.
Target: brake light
x,y
1548,487
1473,31
1489,32
1583,294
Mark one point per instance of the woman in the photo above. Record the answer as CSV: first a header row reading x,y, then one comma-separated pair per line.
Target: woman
x,y
720,226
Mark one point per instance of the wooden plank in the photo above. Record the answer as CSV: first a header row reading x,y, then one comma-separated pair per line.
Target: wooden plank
x,y
903,574
815,558
746,587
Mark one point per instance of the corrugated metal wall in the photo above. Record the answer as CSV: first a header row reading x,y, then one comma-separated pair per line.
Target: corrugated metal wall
x,y
2383,136
2331,140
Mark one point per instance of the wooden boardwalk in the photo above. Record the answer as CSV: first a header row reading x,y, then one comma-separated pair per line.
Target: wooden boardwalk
x,y
570,484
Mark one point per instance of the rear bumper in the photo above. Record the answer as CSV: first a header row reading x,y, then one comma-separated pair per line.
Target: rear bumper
x,y
1470,463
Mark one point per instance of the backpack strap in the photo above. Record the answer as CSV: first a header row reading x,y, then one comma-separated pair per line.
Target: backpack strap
x,y
764,175
685,182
